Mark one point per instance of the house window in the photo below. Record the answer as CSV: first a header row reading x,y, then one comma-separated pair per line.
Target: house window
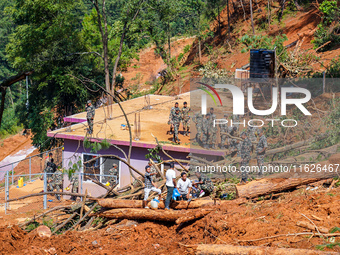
x,y
91,169
99,169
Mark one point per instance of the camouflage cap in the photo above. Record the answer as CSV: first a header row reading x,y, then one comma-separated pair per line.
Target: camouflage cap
x,y
114,165
89,102
243,133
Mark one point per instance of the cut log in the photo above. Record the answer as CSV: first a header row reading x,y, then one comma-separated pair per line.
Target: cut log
x,y
285,181
120,203
153,215
218,249
194,204
310,226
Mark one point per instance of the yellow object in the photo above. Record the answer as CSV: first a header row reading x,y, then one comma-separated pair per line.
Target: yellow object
x,y
21,182
67,188
107,184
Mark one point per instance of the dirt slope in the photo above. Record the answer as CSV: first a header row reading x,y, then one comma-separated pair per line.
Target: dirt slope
x,y
145,70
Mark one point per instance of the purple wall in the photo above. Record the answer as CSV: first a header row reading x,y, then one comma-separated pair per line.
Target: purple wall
x,y
73,152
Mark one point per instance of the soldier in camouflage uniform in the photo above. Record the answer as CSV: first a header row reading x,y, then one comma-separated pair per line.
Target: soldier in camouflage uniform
x,y
113,172
186,118
212,130
261,151
198,120
205,131
224,191
75,184
251,131
233,146
245,149
223,132
58,182
172,111
204,184
49,170
90,112
176,120
236,118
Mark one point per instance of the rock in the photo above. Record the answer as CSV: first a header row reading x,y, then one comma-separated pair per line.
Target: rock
x,y
94,243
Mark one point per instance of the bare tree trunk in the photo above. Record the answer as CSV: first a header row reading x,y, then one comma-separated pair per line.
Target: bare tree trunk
x,y
169,43
2,107
228,17
125,29
268,14
244,11
6,84
199,49
11,96
104,36
251,16
112,89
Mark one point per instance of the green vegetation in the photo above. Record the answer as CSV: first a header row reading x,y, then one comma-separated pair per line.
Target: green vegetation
x,y
62,41
329,29
265,42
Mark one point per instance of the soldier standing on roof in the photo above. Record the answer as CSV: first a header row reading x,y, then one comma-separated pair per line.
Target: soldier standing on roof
x,y
261,151
198,120
186,118
176,120
172,111
245,149
212,129
90,112
205,131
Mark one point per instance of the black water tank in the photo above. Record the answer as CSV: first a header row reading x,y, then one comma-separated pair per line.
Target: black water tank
x,y
262,63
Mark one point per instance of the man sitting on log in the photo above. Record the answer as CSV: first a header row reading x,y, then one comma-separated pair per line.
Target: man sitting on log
x,y
184,187
149,185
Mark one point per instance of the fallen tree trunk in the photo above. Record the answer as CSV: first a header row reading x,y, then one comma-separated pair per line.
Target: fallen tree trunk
x,y
285,181
194,204
218,249
153,215
296,145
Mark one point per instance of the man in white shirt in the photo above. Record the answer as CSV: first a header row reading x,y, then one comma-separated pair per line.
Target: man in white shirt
x,y
184,186
170,184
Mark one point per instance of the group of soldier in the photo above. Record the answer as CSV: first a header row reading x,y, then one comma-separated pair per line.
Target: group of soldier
x,y
241,143
178,116
54,178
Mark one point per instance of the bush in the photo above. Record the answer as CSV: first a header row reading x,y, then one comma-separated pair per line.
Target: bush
x,y
329,28
264,42
10,123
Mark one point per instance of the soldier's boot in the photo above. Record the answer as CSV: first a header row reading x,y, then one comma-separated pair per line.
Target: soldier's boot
x,y
206,146
171,131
